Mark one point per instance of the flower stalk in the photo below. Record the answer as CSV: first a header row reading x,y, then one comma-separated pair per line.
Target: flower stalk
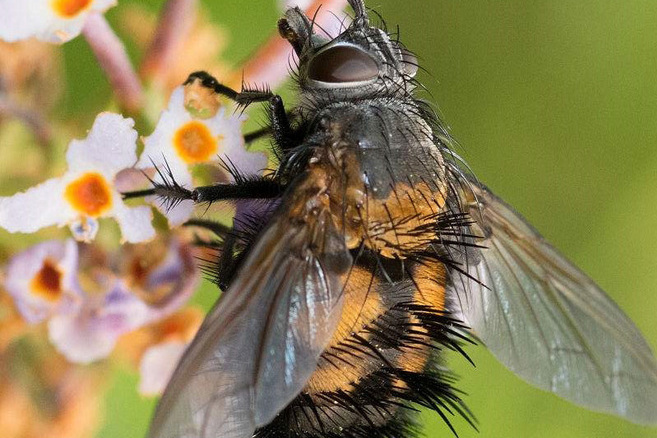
x,y
174,26
113,59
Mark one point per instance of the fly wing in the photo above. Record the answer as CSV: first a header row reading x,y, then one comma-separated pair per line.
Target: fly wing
x,y
547,321
260,343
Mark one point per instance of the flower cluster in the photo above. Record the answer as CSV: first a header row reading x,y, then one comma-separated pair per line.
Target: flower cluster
x,y
88,306
87,302
111,278
87,191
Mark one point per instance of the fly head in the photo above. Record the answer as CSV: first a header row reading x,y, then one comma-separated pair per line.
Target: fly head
x,y
362,61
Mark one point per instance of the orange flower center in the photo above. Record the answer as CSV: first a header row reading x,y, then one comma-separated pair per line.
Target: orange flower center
x,y
70,8
47,283
194,142
90,194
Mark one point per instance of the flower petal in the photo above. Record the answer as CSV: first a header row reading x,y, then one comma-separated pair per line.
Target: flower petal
x,y
21,20
91,333
181,140
36,208
122,310
159,152
245,162
85,192
179,213
168,338
78,340
232,149
55,21
158,147
42,280
135,222
109,148
47,204
174,280
157,366
163,274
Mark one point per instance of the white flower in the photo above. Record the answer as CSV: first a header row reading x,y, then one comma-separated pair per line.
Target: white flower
x,y
43,280
85,192
55,21
181,140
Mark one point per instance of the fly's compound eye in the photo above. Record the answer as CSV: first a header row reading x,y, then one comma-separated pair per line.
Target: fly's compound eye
x,y
342,65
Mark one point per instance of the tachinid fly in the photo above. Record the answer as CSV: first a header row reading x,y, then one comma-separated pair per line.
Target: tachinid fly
x,y
372,251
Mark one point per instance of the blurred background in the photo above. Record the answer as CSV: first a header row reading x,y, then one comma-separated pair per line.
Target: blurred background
x,y
554,105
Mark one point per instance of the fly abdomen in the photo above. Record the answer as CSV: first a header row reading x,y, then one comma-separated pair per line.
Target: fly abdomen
x,y
382,362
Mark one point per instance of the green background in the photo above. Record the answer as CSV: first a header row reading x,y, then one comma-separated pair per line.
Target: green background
x,y
554,104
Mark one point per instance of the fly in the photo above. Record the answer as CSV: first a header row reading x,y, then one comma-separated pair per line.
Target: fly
x,y
376,252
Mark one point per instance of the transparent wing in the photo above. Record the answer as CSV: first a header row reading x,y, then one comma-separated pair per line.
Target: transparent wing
x,y
260,343
547,321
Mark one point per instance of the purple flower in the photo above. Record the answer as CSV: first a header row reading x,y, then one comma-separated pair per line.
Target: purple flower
x,y
150,291
91,333
164,275
43,280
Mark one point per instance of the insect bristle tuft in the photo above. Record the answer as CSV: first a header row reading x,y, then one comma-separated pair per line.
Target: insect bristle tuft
x,y
167,190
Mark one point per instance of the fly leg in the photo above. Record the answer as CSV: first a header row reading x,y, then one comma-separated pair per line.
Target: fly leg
x,y
243,98
257,135
244,187
173,193
284,136
226,264
260,133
